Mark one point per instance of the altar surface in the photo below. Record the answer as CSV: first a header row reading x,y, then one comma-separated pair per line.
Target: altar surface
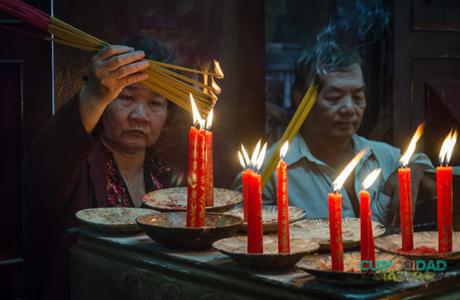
x,y
135,267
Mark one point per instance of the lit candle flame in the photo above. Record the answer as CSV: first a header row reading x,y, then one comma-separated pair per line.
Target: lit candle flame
x,y
245,154
240,157
255,154
196,113
370,179
210,119
284,149
447,147
261,156
410,150
218,70
257,158
340,180
215,87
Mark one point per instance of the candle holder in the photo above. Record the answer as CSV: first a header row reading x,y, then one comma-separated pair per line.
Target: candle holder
x,y
320,267
269,217
169,229
270,259
429,239
175,200
317,230
121,220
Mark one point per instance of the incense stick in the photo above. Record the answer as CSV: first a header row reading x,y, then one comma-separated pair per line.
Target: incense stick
x,y
171,85
296,122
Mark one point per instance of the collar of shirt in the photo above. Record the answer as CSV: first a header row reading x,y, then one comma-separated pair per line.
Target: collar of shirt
x,y
299,150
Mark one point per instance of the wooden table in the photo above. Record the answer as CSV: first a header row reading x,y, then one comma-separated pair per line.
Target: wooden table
x,y
135,267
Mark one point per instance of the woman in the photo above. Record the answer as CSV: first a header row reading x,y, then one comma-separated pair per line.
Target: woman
x,y
95,152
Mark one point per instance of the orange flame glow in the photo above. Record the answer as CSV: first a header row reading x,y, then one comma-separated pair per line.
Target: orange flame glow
x,y
340,180
196,113
413,143
448,147
370,179
284,149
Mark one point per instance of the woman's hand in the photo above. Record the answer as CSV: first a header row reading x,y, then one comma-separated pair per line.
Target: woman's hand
x,y
112,69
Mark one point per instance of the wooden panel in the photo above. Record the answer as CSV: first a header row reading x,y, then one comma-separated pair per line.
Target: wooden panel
x,y
421,56
436,15
443,113
10,157
11,214
230,31
25,74
428,100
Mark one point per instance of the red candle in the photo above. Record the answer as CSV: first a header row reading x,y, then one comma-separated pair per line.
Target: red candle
x,y
405,203
252,197
245,181
367,237
335,213
192,191
444,191
209,170
196,179
283,208
255,229
335,230
405,193
196,189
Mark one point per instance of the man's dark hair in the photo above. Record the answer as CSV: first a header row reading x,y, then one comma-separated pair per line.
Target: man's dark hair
x,y
314,63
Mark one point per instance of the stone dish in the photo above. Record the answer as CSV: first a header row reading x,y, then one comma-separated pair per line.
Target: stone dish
x,y
317,230
175,200
113,219
270,217
391,243
320,267
236,248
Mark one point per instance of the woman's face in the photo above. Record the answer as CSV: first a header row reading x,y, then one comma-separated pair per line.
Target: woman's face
x,y
134,120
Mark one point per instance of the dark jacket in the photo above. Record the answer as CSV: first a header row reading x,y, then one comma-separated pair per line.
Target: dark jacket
x,y
65,171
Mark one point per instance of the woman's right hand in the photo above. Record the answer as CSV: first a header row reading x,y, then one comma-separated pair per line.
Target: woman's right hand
x,y
112,69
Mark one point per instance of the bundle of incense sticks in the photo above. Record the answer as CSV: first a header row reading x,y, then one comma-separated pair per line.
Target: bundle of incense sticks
x,y
162,80
297,120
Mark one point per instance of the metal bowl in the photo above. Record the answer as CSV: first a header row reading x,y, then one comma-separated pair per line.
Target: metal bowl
x,y
169,229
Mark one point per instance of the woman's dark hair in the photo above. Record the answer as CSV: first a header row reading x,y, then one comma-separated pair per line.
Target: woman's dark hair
x,y
154,51
314,63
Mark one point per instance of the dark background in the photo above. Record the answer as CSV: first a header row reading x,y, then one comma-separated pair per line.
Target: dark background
x,y
412,73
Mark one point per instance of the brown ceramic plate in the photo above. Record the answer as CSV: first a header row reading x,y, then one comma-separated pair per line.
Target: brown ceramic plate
x,y
169,229
175,199
113,219
270,217
320,267
317,230
391,243
236,248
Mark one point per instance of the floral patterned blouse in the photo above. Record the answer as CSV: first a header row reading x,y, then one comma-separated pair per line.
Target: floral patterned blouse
x,y
117,191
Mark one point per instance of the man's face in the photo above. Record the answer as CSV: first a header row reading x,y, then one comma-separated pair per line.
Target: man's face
x,y
134,120
339,109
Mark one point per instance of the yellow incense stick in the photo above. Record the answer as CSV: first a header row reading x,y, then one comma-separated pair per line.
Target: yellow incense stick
x,y
171,85
296,122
